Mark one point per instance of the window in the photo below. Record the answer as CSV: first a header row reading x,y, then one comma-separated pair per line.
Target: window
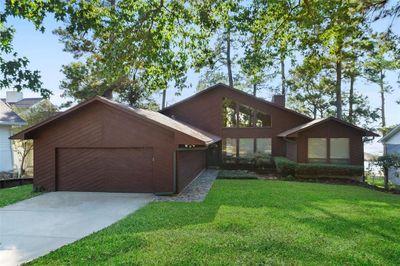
x,y
339,150
229,150
262,119
263,146
317,149
245,116
229,113
239,115
246,150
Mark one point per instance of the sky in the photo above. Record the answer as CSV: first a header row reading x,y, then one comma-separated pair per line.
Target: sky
x,y
46,54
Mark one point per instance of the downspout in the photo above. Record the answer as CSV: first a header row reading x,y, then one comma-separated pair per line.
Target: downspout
x,y
174,163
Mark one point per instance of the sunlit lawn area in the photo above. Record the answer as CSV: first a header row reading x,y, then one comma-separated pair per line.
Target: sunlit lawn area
x,y
12,195
251,222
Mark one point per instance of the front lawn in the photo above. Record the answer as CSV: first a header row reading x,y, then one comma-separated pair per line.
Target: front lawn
x,y
251,222
12,195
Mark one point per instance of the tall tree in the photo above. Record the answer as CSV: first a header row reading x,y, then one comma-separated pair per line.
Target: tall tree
x,y
384,57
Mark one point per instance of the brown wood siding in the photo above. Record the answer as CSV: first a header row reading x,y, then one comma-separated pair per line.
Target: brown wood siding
x,y
332,129
100,126
291,150
189,164
95,169
205,112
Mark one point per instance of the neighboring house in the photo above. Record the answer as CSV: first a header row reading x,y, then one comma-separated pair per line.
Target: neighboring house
x,y
101,145
391,145
16,100
7,119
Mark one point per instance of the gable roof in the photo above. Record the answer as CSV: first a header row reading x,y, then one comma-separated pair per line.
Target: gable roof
x,y
151,116
293,132
8,117
389,135
222,85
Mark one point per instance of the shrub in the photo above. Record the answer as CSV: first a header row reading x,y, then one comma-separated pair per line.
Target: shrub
x,y
320,170
236,174
262,161
285,167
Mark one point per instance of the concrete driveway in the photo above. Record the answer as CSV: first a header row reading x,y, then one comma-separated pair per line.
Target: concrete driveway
x,y
34,227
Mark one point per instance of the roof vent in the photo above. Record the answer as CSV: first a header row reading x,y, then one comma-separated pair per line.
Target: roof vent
x,y
14,96
279,100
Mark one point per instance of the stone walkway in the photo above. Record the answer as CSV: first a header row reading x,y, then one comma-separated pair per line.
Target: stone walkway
x,y
195,191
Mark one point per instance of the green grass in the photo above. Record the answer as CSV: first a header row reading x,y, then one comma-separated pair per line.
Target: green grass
x,y
251,222
379,182
12,195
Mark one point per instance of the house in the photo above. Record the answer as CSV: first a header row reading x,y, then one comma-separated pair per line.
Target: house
x,y
391,145
7,119
16,99
101,145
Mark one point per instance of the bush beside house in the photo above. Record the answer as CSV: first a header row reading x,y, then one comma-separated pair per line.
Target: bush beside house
x,y
288,168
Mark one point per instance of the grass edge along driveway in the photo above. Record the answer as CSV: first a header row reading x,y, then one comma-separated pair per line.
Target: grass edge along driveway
x,y
14,194
250,222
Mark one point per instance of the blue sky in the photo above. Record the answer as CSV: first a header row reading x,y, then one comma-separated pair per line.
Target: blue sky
x,y
46,54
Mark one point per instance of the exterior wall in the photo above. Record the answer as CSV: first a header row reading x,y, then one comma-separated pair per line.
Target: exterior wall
x,y
98,125
331,129
6,155
189,164
291,150
395,139
205,112
394,174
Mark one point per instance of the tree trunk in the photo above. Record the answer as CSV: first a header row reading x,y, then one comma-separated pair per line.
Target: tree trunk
x,y
164,96
351,98
228,57
255,89
339,89
386,178
283,77
382,85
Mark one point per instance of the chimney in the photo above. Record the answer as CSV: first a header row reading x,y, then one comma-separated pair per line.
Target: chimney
x,y
14,96
279,100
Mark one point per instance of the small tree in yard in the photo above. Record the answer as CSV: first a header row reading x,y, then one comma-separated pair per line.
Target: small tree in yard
x,y
32,116
386,162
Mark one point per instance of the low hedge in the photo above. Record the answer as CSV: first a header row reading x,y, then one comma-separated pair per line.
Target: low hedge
x,y
286,167
236,174
316,170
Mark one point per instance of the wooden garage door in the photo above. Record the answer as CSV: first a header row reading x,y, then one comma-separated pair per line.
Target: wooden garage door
x,y
105,169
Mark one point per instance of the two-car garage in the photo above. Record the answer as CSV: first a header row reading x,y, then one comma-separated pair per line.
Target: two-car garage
x,y
102,145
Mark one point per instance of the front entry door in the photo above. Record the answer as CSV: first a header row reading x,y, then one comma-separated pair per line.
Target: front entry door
x,y
214,155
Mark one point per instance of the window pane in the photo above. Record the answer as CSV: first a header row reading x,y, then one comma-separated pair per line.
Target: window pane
x,y
229,150
339,148
229,113
317,148
245,116
263,146
263,120
246,148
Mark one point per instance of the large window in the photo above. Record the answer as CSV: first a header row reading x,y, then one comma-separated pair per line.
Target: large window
x,y
229,150
339,150
229,113
246,115
317,149
239,115
263,146
262,119
247,149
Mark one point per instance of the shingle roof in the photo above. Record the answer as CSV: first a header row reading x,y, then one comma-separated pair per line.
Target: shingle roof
x,y
24,103
291,132
154,117
184,128
390,134
8,117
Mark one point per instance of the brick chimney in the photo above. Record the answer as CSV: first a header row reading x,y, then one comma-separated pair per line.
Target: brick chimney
x,y
279,100
14,96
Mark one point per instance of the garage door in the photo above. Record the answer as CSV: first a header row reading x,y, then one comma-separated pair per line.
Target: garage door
x,y
109,170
